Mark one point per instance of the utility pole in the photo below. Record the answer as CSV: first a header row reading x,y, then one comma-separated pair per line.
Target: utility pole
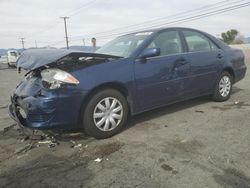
x,y
65,28
93,40
22,42
83,41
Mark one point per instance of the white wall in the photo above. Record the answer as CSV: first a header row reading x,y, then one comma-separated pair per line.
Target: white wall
x,y
245,48
241,46
3,59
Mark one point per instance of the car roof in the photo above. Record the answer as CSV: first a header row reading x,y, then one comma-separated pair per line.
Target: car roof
x,y
155,30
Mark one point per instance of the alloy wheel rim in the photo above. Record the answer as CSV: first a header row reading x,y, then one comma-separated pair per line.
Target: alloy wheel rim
x,y
108,114
225,86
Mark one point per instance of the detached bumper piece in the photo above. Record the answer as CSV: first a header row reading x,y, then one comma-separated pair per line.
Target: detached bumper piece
x,y
16,115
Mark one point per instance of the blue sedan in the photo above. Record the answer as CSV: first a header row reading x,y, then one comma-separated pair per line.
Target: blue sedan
x,y
134,73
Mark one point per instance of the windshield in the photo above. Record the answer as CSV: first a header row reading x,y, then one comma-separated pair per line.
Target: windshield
x,y
124,46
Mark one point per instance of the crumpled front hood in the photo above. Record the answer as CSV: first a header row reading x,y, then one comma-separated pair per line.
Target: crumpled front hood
x,y
35,58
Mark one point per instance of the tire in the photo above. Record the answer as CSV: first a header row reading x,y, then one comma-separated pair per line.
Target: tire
x,y
223,88
101,119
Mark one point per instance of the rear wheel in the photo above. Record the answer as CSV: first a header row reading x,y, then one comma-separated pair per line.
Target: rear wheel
x,y
105,114
223,87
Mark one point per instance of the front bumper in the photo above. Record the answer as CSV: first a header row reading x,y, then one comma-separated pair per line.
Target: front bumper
x,y
59,111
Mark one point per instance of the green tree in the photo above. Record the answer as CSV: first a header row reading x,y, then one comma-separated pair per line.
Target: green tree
x,y
229,36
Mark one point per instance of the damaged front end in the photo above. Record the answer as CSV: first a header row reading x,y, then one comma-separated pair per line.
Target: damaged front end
x,y
48,96
32,105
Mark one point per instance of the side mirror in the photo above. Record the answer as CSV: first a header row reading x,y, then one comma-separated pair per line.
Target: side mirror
x,y
150,52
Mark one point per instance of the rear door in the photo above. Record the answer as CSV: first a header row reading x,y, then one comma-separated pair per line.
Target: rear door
x,y
162,79
205,59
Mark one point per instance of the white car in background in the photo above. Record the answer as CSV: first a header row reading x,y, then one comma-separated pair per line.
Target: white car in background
x,y
12,56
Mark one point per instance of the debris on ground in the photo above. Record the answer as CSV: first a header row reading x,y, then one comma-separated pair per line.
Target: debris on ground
x,y
45,142
169,168
23,139
166,167
98,160
72,142
21,156
199,111
183,141
175,172
32,135
4,106
29,134
36,137
75,145
236,102
51,143
8,128
78,146
24,148
74,134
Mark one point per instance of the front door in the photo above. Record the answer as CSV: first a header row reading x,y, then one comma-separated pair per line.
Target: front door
x,y
162,79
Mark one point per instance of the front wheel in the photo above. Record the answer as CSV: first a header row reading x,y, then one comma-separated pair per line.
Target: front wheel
x,y
105,114
223,87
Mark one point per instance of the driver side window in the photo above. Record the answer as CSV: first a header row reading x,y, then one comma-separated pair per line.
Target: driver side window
x,y
169,43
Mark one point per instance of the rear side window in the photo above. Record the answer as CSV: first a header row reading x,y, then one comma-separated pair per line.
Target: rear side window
x,y
197,42
169,43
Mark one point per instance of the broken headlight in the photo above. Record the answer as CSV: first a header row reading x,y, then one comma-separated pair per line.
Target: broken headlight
x,y
54,78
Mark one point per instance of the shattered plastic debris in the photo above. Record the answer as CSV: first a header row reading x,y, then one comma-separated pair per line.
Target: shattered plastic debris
x,y
199,111
51,143
167,167
75,145
98,160
73,142
9,127
4,106
78,146
183,141
236,102
24,149
45,142
21,156
23,139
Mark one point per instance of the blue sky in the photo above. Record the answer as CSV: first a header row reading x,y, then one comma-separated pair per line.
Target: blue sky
x,y
39,19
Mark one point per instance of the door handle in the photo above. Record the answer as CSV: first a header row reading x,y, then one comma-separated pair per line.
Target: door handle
x,y
219,56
